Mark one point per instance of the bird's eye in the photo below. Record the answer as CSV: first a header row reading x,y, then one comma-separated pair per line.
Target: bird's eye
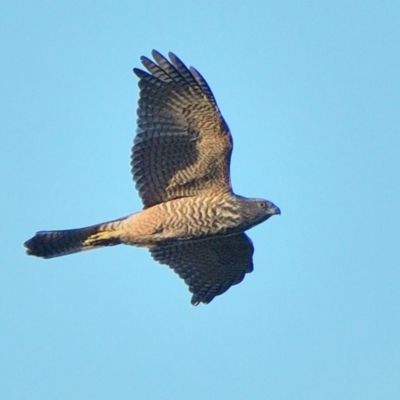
x,y
262,204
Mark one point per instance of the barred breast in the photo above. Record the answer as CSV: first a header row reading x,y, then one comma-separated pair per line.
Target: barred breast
x,y
182,219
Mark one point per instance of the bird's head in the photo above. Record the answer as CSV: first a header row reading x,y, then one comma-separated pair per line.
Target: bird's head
x,y
256,211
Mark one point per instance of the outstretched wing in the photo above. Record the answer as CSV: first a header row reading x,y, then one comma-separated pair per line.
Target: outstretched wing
x,y
183,145
209,267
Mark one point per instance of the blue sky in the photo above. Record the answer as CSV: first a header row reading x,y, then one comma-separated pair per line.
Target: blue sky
x,y
310,91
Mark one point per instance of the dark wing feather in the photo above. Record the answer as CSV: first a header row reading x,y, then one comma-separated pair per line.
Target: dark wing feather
x,y
208,267
183,145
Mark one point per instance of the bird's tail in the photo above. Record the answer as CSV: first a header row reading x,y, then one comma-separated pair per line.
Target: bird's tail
x,y
48,244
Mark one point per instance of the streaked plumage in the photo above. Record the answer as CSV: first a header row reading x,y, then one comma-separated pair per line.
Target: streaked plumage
x,y
192,220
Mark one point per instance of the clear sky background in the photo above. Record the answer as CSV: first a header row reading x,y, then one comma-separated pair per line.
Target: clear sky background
x,y
311,92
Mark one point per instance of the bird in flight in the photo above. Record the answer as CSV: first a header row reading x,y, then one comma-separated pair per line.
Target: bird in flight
x,y
191,219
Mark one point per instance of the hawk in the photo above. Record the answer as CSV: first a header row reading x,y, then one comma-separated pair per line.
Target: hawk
x,y
191,219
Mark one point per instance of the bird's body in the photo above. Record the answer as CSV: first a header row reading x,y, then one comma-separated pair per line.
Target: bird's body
x,y
191,219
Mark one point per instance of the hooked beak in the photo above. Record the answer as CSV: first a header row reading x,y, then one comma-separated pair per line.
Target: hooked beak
x,y
275,210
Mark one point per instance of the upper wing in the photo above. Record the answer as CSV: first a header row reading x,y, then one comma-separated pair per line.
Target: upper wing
x,y
183,145
209,267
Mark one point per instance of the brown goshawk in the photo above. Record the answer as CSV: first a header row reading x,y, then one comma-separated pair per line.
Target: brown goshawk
x,y
191,220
